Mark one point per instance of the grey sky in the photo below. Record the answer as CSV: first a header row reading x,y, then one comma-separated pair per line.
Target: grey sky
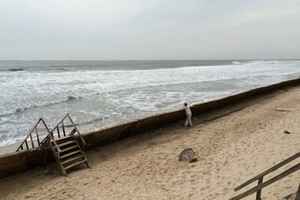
x,y
149,29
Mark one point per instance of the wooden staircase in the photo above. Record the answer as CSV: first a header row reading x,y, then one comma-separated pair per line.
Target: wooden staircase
x,y
68,153
61,140
64,145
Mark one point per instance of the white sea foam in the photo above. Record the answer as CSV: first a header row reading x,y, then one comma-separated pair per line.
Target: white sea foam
x,y
99,97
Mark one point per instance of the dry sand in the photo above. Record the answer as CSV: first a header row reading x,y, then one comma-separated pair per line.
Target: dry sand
x,y
230,150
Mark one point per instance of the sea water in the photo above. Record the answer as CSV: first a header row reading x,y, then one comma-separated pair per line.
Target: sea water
x,y
99,94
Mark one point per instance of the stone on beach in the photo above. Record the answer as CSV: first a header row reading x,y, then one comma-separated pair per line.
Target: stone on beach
x,y
187,155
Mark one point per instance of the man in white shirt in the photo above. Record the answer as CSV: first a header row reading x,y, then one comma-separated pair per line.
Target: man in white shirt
x,y
188,113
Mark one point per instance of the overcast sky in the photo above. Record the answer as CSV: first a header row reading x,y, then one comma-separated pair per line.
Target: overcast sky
x,y
149,29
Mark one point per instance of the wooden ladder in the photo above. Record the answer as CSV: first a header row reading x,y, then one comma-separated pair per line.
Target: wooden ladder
x,y
67,153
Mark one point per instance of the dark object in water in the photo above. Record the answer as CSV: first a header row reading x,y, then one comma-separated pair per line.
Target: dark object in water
x,y
286,132
70,98
16,69
187,155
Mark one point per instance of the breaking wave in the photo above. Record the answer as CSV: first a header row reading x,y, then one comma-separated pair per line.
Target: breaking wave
x,y
20,110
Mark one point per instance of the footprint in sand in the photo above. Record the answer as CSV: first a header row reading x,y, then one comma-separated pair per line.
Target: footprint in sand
x,y
66,193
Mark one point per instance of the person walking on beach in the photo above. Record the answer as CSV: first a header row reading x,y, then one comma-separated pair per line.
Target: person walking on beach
x,y
188,113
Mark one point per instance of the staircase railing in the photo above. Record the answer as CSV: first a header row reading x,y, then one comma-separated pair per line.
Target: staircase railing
x,y
32,140
33,137
260,177
60,130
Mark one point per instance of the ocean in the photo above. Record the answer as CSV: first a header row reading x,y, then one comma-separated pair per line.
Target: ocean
x,y
100,94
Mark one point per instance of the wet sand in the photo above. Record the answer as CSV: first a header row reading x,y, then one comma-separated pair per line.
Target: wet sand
x,y
230,150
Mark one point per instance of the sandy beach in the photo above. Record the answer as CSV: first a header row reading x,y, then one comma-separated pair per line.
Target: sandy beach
x,y
230,150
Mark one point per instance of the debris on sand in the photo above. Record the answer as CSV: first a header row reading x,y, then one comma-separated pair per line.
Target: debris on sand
x,y
187,155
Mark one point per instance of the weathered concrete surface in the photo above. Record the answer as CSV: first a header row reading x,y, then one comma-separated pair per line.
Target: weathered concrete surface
x,y
18,162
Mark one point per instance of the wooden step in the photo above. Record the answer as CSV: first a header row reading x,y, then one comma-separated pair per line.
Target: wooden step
x,y
63,139
74,164
69,154
66,143
68,148
72,159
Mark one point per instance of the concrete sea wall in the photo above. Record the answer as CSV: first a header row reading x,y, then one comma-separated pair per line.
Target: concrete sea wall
x,y
17,162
